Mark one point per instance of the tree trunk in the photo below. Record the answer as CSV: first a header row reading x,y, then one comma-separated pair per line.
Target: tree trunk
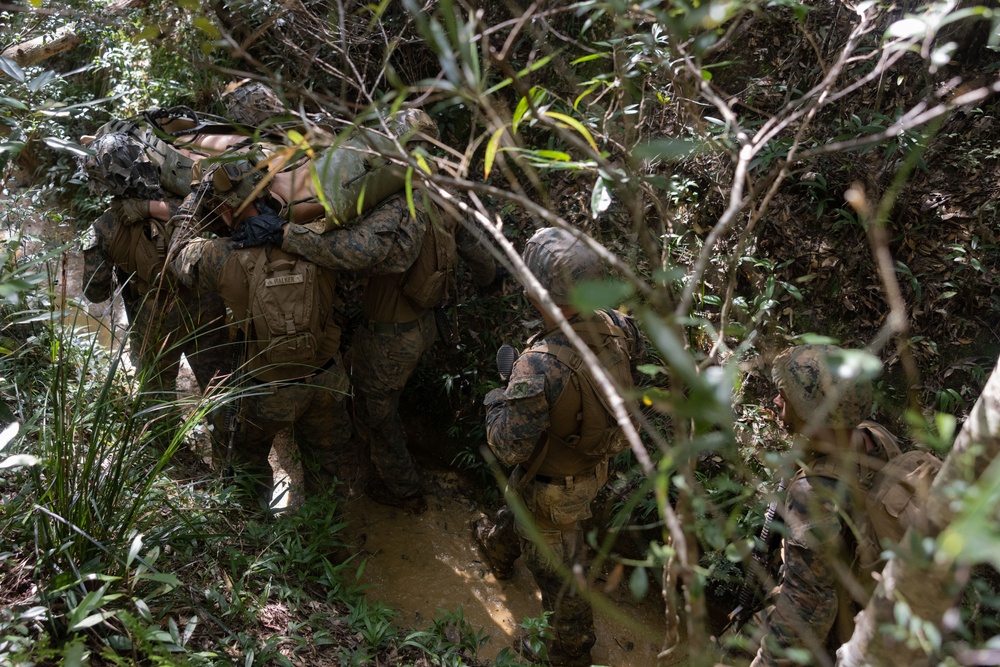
x,y
930,589
59,41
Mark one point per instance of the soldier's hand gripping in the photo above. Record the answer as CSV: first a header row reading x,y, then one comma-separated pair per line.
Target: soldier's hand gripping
x,y
261,229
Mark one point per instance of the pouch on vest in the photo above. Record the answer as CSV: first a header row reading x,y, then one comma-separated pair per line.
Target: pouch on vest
x,y
140,250
430,281
284,321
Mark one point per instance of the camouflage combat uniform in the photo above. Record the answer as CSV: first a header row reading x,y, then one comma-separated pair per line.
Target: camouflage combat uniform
x,y
307,397
823,509
395,334
166,320
521,419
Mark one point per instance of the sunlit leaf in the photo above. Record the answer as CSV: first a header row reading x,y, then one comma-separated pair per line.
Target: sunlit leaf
x,y
134,549
519,111
907,28
575,124
491,151
600,198
41,81
207,27
149,33
8,434
19,461
68,146
92,620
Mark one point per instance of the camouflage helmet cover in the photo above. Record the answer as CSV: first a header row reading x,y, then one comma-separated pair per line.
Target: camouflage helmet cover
x,y
251,103
559,261
119,166
812,380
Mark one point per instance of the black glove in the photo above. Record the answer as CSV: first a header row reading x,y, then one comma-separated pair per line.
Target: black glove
x,y
506,356
260,229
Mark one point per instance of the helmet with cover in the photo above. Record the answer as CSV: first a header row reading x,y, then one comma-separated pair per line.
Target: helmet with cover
x,y
120,166
817,380
559,261
251,103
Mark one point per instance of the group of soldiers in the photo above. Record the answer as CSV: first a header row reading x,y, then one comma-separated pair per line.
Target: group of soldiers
x,y
232,254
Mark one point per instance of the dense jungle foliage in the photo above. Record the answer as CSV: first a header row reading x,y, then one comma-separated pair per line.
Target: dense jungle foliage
x,y
757,174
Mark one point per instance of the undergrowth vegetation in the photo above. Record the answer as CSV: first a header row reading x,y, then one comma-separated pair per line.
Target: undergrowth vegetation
x,y
758,175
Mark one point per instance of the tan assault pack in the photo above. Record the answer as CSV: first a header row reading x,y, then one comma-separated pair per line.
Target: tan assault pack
x,y
897,497
594,431
284,318
430,281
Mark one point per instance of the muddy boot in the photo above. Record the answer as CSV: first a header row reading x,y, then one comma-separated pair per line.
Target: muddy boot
x,y
481,530
380,493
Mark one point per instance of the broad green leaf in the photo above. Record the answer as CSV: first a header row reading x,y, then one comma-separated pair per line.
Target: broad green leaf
x,y
143,610
575,124
13,147
11,102
593,295
92,620
41,81
491,151
11,69
19,461
8,434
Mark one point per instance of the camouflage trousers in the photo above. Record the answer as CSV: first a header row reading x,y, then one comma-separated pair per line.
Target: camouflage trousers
x,y
556,511
381,362
315,410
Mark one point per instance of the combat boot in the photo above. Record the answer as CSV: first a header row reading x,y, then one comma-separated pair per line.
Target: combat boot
x,y
481,529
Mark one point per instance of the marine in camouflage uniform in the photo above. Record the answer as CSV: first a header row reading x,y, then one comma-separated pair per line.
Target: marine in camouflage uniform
x,y
252,103
307,396
166,319
822,401
396,332
538,423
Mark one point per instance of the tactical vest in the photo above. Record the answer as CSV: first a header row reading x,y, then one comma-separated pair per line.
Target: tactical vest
x,y
284,306
583,431
173,166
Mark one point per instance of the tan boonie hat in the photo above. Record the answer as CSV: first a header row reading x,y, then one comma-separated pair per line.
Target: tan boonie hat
x,y
815,380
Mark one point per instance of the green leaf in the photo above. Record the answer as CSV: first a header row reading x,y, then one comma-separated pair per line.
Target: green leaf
x,y
491,151
207,27
587,58
73,656
92,620
593,295
519,111
558,156
11,102
134,549
638,583
11,69
575,124
652,370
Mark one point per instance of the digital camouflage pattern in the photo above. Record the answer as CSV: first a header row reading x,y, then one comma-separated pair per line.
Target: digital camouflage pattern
x,y
806,608
518,416
559,261
119,166
381,364
251,103
165,322
814,383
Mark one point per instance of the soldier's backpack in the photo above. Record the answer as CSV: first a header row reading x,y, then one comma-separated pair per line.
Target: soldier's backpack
x,y
895,497
285,314
430,280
